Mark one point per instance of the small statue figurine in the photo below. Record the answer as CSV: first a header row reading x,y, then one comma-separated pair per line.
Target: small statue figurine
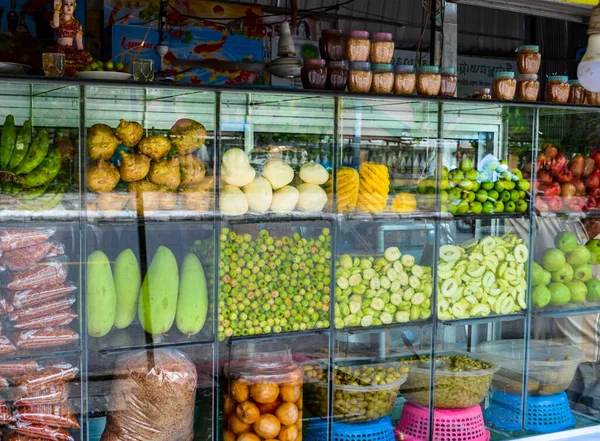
x,y
69,34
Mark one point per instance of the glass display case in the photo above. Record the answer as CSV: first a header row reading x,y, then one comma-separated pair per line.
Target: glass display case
x,y
185,263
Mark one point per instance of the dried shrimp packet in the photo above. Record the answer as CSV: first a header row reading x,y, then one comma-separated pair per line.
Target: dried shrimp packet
x,y
11,239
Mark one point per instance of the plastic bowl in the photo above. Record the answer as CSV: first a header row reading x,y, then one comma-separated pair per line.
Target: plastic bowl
x,y
452,390
352,403
552,365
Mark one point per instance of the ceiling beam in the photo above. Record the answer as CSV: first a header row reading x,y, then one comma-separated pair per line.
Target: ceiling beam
x,y
557,9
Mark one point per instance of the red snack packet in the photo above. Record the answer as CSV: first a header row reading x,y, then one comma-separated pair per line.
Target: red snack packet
x,y
13,436
37,296
5,307
61,318
22,258
11,239
6,346
13,368
56,249
54,415
32,312
55,394
45,337
6,416
46,377
45,432
41,275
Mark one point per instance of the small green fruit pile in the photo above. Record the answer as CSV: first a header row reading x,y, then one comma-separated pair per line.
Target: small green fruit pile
x,y
481,277
464,190
376,291
99,66
564,274
273,284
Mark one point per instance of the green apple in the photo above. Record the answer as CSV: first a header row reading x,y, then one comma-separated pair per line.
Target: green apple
x,y
505,196
514,195
493,194
578,291
466,184
506,176
553,259
468,196
476,185
521,194
452,208
583,272
422,186
481,195
487,185
466,164
563,274
579,256
594,246
537,274
444,172
523,185
499,207
476,207
499,186
521,206
454,194
559,294
444,196
565,241
510,207
462,208
445,184
472,175
593,290
488,207
547,278
509,185
456,174
517,173
540,296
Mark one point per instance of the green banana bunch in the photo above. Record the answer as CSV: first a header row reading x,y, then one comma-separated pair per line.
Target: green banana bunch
x,y
21,145
43,173
7,141
46,201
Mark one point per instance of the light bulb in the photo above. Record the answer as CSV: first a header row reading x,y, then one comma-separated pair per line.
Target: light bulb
x,y
588,71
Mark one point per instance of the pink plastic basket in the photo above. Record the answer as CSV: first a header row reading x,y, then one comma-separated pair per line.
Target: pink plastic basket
x,y
449,425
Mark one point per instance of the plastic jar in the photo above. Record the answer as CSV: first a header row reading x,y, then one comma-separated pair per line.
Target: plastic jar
x,y
405,79
261,379
482,93
358,46
557,89
314,73
528,87
360,77
429,81
504,86
382,48
592,98
529,59
332,44
576,92
337,75
449,81
383,78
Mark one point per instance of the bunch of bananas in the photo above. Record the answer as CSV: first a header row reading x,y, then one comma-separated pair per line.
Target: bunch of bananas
x,y
28,168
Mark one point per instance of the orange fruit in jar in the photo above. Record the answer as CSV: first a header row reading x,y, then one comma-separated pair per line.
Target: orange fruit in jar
x,y
269,407
228,405
247,412
229,436
237,426
240,391
267,426
264,392
248,437
287,414
291,392
288,433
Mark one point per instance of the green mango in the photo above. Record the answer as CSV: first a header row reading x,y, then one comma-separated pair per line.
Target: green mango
x,y
101,295
192,304
127,283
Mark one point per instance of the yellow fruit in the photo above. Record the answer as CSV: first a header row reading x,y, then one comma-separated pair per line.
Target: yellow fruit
x,y
374,187
404,203
347,194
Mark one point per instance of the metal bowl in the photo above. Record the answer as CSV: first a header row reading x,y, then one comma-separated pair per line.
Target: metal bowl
x,y
14,68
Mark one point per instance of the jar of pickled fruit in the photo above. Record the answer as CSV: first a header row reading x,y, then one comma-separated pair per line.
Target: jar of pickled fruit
x,y
332,44
337,75
382,48
263,393
358,46
482,93
529,59
504,86
557,89
449,81
405,79
383,78
528,87
592,98
429,81
360,77
576,92
314,73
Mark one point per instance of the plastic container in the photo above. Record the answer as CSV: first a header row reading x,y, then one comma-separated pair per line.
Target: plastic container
x,y
429,81
383,78
557,89
592,98
351,403
449,425
576,92
529,59
453,390
260,378
337,75
314,74
382,48
449,81
504,86
405,79
528,87
360,77
545,377
378,430
482,93
332,44
358,46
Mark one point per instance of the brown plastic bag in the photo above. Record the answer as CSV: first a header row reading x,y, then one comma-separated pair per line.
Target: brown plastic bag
x,y
16,368
23,258
61,318
44,432
32,312
45,337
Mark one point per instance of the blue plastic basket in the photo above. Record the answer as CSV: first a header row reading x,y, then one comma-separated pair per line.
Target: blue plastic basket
x,y
544,414
378,430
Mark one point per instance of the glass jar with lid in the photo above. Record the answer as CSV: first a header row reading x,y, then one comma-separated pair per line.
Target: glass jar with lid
x,y
504,86
557,89
576,92
360,77
405,79
482,93
449,81
332,44
358,46
314,73
383,78
592,98
337,75
382,48
528,87
263,392
429,81
529,59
